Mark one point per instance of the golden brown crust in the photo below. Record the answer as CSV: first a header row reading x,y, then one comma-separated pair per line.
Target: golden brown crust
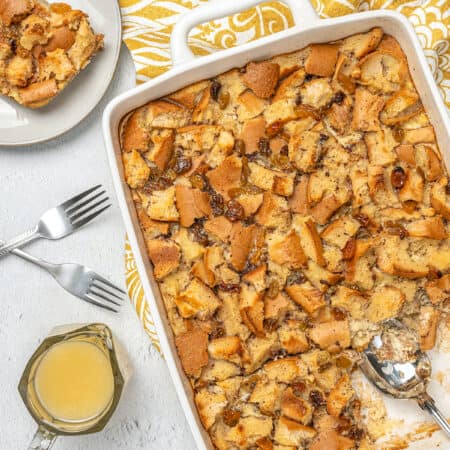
x,y
366,110
297,214
227,176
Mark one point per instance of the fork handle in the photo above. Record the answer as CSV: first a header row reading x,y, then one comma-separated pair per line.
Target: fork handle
x,y
19,241
427,403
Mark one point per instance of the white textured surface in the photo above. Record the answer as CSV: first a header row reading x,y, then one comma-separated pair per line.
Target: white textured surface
x,y
31,303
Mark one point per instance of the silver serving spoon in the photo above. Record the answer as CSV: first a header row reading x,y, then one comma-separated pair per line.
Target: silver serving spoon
x,y
402,379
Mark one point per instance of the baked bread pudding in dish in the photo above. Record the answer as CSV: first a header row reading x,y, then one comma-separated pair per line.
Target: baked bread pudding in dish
x,y
290,207
42,48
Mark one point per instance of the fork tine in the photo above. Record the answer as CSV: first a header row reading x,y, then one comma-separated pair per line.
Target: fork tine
x,y
108,283
77,198
90,299
78,206
108,291
102,294
79,214
87,219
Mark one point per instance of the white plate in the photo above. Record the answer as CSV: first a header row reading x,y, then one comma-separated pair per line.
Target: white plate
x,y
23,126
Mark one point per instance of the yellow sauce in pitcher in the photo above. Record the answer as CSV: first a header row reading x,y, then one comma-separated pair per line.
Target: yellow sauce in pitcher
x,y
74,381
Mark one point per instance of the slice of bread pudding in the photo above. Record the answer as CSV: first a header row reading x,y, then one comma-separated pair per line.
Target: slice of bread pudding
x,y
42,48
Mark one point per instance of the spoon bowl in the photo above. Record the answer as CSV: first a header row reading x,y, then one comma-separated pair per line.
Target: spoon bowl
x,y
401,379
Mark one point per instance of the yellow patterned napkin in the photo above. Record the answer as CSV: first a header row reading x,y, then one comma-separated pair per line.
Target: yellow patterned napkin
x,y
147,25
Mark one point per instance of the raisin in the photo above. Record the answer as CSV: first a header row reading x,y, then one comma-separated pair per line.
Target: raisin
x,y
309,77
199,234
323,138
182,165
270,325
298,100
447,188
231,417
338,98
298,388
398,177
224,100
284,150
215,89
339,314
355,433
264,146
239,146
398,134
217,203
229,287
295,278
316,398
409,206
362,219
273,129
273,290
349,250
13,44
234,211
197,181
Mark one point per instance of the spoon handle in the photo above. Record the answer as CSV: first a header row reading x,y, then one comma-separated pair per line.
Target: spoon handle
x,y
427,403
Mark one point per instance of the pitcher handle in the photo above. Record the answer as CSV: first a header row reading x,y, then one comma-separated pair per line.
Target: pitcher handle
x,y
43,439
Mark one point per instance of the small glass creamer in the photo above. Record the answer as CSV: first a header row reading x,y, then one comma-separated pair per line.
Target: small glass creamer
x,y
73,382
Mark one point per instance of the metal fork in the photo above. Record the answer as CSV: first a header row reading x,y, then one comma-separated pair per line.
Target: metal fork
x,y
81,281
63,220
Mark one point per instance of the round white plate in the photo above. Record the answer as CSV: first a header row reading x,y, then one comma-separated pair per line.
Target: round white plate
x,y
23,126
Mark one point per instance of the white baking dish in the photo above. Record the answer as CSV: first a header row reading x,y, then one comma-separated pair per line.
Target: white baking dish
x,y
188,69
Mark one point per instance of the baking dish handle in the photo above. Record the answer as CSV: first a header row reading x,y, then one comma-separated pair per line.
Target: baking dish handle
x,y
302,11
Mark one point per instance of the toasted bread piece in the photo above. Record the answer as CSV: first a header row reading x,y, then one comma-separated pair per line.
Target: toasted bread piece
x,y
162,205
332,333
288,250
321,60
252,132
339,396
165,256
219,227
192,204
197,300
262,78
226,176
192,348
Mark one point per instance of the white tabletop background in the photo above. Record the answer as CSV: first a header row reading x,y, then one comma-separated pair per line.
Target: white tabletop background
x,y
33,179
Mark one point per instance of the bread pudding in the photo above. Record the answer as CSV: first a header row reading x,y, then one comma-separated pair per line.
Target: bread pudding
x,y
42,48
289,207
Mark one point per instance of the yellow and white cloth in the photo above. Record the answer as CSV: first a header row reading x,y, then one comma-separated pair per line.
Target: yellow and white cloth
x,y
147,25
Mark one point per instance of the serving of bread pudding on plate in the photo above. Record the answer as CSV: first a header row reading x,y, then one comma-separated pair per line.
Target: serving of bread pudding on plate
x,y
288,208
42,48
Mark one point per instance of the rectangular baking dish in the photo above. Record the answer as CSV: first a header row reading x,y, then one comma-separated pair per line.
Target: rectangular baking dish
x,y
187,69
